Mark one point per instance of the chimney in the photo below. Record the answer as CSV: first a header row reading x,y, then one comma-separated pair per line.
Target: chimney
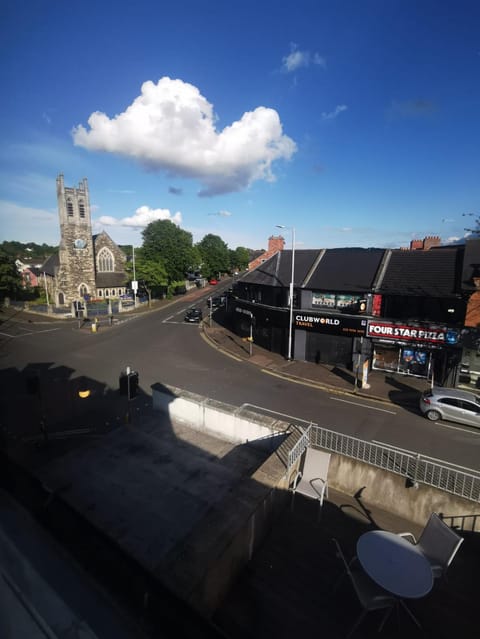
x,y
275,243
431,241
416,245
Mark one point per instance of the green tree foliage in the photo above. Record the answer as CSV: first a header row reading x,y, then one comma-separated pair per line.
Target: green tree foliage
x,y
474,229
28,252
164,241
239,258
151,274
215,255
10,278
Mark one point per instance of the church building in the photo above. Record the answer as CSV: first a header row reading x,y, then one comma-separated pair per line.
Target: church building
x,y
87,266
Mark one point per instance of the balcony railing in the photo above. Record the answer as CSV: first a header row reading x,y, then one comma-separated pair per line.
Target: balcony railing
x,y
419,469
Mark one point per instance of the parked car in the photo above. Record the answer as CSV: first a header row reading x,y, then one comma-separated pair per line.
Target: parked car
x,y
217,301
213,281
451,404
193,315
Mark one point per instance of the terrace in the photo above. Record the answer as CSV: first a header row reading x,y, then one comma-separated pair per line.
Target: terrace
x,y
197,534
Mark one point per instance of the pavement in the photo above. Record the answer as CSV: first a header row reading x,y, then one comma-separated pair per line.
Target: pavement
x,y
386,387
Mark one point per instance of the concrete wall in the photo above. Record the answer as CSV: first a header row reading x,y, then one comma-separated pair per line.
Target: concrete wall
x,y
218,418
379,487
394,494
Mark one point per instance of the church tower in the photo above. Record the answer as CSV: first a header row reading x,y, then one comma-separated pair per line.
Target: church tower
x,y
76,273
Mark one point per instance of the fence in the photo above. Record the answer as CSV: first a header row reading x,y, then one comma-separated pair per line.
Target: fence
x,y
419,469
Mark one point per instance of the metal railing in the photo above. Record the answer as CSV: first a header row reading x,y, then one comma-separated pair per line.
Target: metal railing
x,y
419,469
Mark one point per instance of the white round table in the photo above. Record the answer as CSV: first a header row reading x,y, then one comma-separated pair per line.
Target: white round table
x,y
395,564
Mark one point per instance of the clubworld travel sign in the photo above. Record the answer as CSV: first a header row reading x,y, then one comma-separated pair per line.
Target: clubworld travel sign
x,y
399,332
334,324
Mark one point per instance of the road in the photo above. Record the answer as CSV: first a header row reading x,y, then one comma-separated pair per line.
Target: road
x,y
164,349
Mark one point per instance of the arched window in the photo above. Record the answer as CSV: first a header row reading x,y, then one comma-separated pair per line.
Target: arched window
x,y
81,208
69,208
105,261
83,290
100,292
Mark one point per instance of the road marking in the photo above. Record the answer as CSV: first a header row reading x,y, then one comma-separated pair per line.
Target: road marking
x,y
458,428
345,401
47,330
274,412
289,379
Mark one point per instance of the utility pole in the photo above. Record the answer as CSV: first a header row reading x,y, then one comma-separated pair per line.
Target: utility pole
x,y
134,283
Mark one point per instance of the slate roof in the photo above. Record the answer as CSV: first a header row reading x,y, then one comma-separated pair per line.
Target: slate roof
x,y
348,270
50,265
434,273
107,280
277,271
471,264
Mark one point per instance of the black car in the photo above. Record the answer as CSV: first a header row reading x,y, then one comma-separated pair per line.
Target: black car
x,y
193,315
217,301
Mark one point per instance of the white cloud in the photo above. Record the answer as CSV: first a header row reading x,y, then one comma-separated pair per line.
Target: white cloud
x,y
298,59
171,127
222,213
142,217
336,111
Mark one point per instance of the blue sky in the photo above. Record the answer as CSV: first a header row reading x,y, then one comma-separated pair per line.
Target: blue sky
x,y
358,123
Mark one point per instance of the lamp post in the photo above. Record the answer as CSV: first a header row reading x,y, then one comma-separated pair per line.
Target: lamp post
x,y
134,283
290,325
46,291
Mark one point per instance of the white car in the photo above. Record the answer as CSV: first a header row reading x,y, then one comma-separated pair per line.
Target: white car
x,y
451,404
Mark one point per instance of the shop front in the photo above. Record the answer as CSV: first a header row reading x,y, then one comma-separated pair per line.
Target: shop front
x,y
327,339
427,351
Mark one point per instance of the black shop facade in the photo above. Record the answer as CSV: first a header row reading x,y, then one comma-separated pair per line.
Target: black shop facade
x,y
328,338
421,349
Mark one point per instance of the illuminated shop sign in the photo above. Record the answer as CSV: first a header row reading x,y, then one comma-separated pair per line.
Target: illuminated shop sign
x,y
387,332
347,326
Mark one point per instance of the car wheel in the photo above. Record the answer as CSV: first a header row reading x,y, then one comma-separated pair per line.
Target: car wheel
x,y
433,415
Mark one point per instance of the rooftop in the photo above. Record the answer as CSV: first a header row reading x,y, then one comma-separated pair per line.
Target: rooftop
x,y
153,501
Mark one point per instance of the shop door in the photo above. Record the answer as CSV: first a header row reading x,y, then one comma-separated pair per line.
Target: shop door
x,y
329,349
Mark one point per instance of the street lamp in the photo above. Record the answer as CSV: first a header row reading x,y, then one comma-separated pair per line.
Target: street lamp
x,y
290,326
134,282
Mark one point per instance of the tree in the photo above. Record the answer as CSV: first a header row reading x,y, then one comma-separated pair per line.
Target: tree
x,y
152,274
239,259
475,230
164,241
215,255
10,278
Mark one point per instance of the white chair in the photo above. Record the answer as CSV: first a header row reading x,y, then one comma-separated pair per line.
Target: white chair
x,y
370,595
311,481
438,542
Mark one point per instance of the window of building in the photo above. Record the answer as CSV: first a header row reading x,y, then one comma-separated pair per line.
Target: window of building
x,y
105,261
100,292
83,290
69,208
81,208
